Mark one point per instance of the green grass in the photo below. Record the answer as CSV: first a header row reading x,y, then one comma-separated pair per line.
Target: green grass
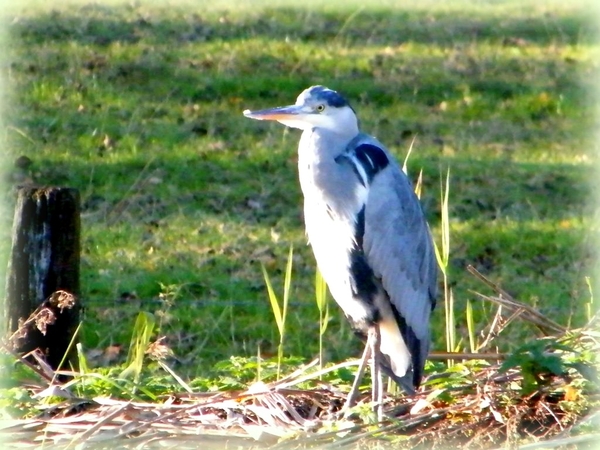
x,y
139,107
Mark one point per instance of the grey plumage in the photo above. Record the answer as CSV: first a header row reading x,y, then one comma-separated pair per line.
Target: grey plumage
x,y
366,228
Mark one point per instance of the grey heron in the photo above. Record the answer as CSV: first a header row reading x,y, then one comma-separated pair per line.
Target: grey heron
x,y
368,234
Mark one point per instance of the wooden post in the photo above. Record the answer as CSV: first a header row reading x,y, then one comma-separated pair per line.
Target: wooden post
x,y
44,263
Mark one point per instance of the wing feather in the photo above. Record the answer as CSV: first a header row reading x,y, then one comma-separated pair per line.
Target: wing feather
x,y
398,246
399,249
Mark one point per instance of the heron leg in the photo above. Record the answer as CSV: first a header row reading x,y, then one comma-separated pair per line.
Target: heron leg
x,y
377,379
351,399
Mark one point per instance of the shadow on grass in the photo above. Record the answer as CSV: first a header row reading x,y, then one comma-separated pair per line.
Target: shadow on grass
x,y
98,28
267,189
504,205
102,25
136,76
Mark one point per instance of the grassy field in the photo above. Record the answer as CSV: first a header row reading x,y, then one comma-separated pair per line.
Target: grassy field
x,y
139,107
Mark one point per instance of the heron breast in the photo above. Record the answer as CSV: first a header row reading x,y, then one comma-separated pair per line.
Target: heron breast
x,y
332,240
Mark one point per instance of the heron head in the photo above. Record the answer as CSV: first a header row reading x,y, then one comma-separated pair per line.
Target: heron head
x,y
315,107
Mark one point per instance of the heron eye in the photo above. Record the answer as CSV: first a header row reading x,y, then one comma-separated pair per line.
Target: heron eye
x,y
320,108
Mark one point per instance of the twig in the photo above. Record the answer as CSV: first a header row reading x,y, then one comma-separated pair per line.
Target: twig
x,y
98,425
317,374
437,356
473,271
494,328
529,314
543,405
24,361
547,326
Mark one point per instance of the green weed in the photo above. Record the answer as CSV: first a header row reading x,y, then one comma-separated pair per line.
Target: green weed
x,y
443,259
280,313
323,307
140,339
540,358
473,347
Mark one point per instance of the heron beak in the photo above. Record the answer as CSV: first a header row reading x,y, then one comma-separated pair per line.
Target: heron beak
x,y
279,113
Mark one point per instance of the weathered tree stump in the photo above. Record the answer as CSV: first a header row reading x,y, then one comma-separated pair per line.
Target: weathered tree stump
x,y
43,273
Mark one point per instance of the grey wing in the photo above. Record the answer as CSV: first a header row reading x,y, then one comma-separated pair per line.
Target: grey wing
x,y
398,247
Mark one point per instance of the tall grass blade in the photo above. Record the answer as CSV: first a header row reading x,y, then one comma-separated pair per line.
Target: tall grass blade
x,y
439,258
323,306
443,257
68,351
273,301
287,282
442,254
589,306
54,373
258,364
82,366
280,312
347,23
177,378
471,327
446,220
410,148
140,339
81,359
450,323
419,185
